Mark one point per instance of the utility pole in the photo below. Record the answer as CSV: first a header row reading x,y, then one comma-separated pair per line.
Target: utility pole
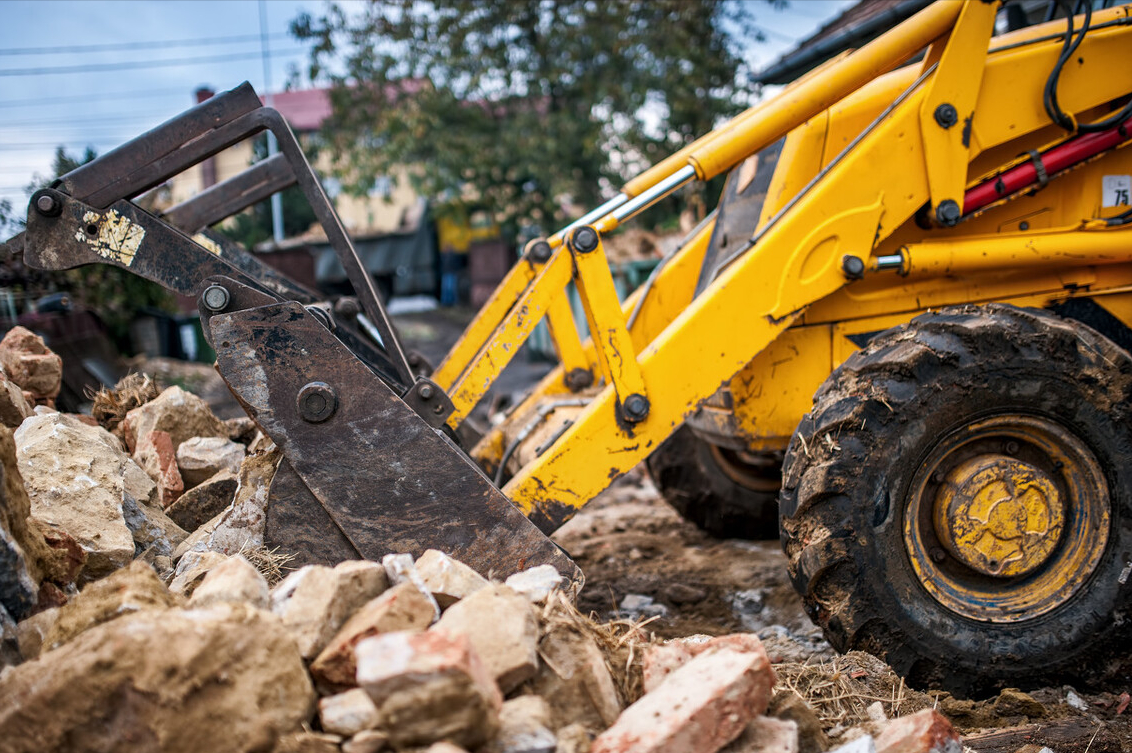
x,y
272,145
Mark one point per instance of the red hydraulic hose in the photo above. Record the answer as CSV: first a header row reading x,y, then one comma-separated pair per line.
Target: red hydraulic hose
x,y
1041,166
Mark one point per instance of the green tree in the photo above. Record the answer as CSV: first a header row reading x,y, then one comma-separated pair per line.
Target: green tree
x,y
518,105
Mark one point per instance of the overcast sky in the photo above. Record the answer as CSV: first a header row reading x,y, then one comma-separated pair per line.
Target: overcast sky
x,y
99,72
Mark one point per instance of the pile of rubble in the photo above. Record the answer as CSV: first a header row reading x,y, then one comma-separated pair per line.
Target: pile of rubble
x,y
140,611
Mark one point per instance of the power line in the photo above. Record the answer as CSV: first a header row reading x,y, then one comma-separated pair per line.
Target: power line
x,y
37,101
97,67
138,45
83,120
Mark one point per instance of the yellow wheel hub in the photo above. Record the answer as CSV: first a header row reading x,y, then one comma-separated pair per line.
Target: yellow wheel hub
x,y
1006,518
999,516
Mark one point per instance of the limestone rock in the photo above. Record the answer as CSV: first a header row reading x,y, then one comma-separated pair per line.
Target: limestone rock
x,y
192,569
448,580
154,454
132,589
33,631
366,741
811,735
65,559
24,553
429,687
203,502
80,481
31,364
766,735
308,742
401,608
221,680
699,708
241,429
200,458
536,583
14,407
315,601
401,569
240,526
573,672
182,414
523,728
347,713
234,580
503,630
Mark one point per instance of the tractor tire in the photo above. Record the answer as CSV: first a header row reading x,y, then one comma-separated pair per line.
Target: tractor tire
x,y
715,489
958,501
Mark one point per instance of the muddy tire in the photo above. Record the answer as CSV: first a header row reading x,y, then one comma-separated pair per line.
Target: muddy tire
x,y
883,481
714,489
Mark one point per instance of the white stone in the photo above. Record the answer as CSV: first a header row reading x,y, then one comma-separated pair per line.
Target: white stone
x,y
401,569
448,580
201,458
234,580
537,583
347,713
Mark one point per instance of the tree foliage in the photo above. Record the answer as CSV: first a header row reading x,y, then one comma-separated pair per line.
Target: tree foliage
x,y
255,225
518,105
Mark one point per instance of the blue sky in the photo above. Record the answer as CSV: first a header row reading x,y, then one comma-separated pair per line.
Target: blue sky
x,y
56,90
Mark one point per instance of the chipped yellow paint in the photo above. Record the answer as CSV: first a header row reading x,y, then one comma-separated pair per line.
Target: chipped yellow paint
x,y
999,516
116,239
209,245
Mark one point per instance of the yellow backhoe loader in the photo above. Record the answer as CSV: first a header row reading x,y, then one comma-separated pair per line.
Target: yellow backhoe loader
x,y
911,311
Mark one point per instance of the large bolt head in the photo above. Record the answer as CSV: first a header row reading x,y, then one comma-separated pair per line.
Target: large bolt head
x,y
540,252
948,213
425,391
636,407
584,239
317,401
946,115
853,266
45,204
215,298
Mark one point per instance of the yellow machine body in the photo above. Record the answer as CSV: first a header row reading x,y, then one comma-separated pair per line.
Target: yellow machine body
x,y
849,243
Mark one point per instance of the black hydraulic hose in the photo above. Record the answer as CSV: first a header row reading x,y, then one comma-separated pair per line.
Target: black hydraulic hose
x,y
1049,98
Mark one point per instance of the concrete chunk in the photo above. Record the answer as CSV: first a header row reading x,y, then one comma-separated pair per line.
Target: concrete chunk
x,y
448,580
573,672
503,630
182,414
315,601
523,728
429,687
200,458
366,741
700,707
234,580
536,583
925,731
401,608
347,713
28,362
192,569
400,569
203,502
766,735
